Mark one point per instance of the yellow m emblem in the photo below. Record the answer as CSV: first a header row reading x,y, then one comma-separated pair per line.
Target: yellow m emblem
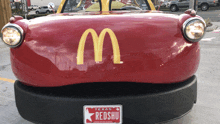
x,y
98,45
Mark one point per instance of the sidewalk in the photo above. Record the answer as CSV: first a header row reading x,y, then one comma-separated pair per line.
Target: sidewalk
x,y
214,26
216,23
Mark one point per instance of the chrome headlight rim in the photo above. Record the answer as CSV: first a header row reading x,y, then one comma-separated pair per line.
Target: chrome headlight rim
x,y
19,29
185,25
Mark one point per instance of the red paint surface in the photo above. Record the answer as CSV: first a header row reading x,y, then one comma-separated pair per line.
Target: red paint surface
x,y
29,2
152,47
15,18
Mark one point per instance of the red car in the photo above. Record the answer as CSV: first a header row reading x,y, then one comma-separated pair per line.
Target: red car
x,y
105,67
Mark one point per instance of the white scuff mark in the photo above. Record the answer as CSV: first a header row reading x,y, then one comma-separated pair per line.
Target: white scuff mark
x,y
208,39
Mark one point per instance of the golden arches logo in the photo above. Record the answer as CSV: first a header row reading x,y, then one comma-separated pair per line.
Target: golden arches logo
x,y
98,45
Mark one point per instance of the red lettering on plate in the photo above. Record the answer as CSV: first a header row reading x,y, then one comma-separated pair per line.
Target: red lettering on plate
x,y
102,115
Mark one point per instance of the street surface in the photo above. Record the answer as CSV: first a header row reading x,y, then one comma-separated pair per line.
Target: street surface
x,y
205,111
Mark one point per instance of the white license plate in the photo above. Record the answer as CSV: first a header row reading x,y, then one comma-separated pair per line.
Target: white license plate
x,y
102,114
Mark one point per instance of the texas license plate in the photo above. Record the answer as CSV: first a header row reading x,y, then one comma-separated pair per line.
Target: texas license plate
x,y
102,114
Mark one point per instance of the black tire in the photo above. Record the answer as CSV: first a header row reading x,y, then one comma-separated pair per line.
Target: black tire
x,y
37,12
48,12
204,7
174,8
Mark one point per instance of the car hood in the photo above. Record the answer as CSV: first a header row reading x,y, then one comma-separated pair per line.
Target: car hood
x,y
150,44
60,18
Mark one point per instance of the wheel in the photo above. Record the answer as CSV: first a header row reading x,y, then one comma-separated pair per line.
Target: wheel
x,y
37,12
204,7
173,8
48,12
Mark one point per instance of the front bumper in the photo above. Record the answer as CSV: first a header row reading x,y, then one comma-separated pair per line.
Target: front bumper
x,y
142,103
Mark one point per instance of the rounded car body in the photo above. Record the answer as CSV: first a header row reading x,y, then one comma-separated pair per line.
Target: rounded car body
x,y
72,61
157,57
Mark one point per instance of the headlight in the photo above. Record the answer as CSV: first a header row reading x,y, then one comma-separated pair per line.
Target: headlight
x,y
12,35
194,29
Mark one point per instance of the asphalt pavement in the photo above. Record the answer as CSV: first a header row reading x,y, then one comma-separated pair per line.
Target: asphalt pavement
x,y
205,111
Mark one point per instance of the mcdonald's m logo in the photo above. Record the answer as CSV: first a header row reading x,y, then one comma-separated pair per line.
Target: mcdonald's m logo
x,y
98,46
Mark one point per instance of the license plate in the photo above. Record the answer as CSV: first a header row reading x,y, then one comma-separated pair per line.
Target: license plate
x,y
102,114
